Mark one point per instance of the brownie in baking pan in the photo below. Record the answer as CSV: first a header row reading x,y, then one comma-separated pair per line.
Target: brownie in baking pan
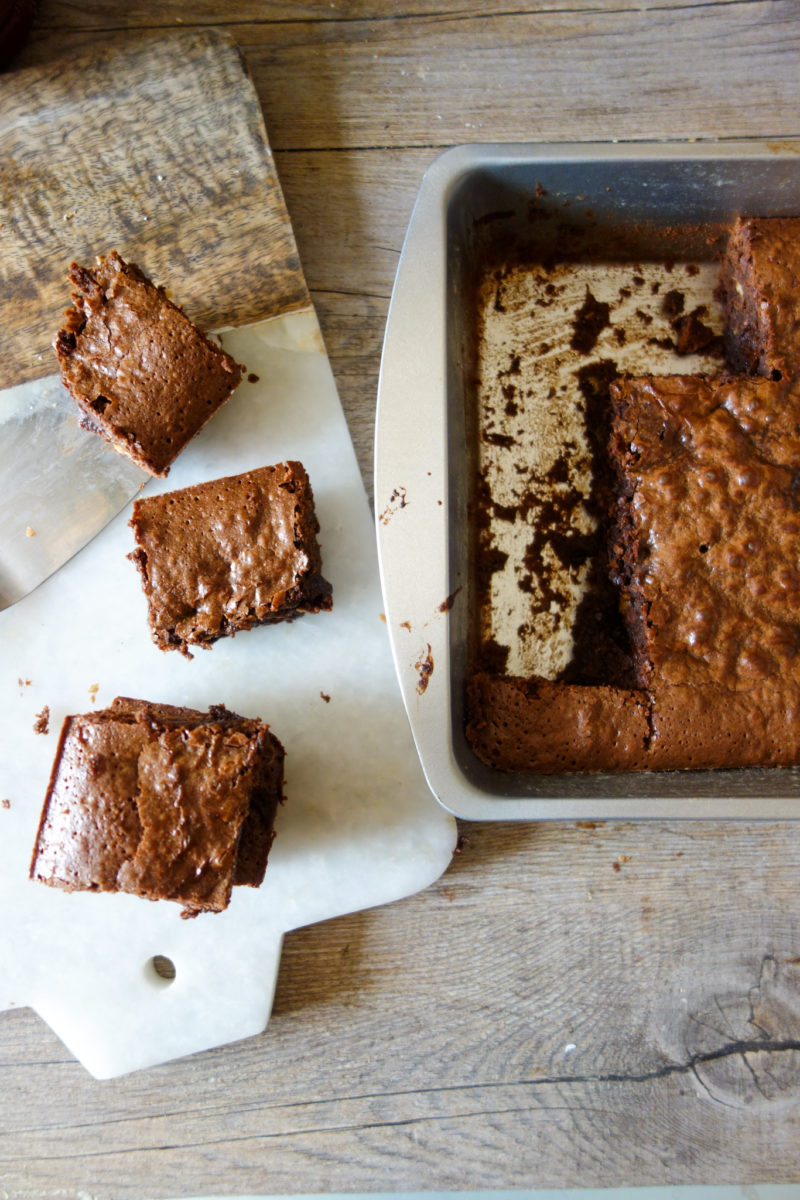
x,y
164,802
703,540
229,554
143,376
760,286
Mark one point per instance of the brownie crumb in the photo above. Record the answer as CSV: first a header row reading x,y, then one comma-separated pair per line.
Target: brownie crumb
x,y
424,668
42,722
673,303
448,602
589,322
693,335
324,696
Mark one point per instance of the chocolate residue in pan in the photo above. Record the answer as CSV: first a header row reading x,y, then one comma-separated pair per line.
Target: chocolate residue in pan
x,y
493,656
589,322
601,652
504,440
555,535
693,336
424,668
505,512
673,303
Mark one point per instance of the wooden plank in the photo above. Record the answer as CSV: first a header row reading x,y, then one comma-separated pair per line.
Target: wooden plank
x,y
437,78
97,14
569,1005
156,148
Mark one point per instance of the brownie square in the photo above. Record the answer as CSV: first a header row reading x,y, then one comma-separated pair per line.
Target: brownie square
x,y
164,802
226,555
705,547
760,285
144,377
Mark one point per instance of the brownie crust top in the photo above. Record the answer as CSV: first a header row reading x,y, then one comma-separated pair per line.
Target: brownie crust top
x,y
710,485
143,375
160,801
229,554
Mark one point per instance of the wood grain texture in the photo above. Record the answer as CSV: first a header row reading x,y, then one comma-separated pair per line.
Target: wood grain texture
x,y
567,1005
570,1004
155,148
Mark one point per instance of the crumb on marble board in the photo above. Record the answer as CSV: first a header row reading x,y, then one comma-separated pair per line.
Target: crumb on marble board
x,y
42,722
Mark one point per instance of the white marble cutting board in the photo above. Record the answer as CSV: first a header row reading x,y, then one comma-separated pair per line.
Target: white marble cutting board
x,y
359,827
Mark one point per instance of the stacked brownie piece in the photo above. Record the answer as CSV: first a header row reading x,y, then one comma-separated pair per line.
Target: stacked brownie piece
x,y
166,802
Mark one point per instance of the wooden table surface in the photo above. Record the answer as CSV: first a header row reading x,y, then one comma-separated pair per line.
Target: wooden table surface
x,y
571,1004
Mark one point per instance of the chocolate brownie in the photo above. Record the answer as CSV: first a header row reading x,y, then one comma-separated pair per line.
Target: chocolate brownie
x,y
224,556
546,727
760,285
144,377
164,802
705,551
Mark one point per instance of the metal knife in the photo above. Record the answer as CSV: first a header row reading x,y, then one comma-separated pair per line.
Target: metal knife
x,y
66,483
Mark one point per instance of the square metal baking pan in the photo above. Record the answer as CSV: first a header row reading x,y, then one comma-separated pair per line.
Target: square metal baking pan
x,y
424,452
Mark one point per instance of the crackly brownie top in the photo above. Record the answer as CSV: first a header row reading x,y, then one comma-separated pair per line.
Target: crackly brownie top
x,y
150,800
230,553
711,473
143,375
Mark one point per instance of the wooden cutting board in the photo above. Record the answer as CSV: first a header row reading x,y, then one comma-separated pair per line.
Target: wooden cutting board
x,y
155,147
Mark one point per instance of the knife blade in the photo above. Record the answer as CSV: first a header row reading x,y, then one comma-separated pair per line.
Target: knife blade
x,y
66,483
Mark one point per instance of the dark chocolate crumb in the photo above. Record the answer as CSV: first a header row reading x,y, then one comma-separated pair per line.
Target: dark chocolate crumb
x,y
673,303
424,668
42,722
590,320
692,335
447,603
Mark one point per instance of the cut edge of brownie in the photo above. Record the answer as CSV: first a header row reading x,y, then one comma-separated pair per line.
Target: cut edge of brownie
x,y
754,280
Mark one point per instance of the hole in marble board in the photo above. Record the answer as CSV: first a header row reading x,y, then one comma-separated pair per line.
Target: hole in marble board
x,y
160,970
